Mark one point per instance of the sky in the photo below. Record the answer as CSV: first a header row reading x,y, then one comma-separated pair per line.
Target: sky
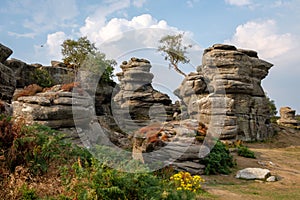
x,y
121,29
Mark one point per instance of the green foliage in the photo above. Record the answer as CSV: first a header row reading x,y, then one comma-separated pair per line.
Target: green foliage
x,y
28,194
174,51
245,152
82,176
98,64
75,52
219,161
272,107
42,77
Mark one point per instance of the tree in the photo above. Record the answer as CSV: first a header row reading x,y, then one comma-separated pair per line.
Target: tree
x,y
83,54
75,52
98,64
174,51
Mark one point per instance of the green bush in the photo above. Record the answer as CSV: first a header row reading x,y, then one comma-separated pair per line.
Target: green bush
x,y
219,161
245,152
42,77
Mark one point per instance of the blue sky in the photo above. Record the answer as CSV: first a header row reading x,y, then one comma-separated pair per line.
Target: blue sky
x,y
34,30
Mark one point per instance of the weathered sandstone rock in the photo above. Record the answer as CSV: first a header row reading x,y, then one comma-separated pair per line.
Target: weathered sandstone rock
x,y
226,93
287,117
136,103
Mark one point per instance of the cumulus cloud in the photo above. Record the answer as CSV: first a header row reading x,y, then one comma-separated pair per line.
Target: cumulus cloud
x,y
54,41
96,21
263,37
238,2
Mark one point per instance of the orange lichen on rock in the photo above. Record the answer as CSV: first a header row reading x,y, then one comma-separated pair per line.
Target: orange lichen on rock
x,y
69,86
29,90
202,129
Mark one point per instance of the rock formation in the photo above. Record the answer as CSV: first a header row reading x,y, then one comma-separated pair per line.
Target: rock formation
x,y
137,103
287,118
177,143
27,74
7,78
226,94
58,109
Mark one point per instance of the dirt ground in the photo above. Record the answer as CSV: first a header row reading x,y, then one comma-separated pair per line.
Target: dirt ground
x,y
281,155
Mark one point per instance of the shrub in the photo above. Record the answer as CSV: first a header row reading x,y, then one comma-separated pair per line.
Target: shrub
x,y
42,77
245,152
184,181
219,161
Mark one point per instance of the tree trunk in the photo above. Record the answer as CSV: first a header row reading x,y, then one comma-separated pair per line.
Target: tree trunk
x,y
178,70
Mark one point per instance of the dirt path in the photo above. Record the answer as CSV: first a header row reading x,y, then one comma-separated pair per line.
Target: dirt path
x,y
281,156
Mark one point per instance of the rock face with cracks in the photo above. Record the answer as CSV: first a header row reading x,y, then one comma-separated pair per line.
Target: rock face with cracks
x,y
137,103
226,94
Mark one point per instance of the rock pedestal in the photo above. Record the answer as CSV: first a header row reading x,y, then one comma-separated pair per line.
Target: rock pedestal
x,y
137,104
226,94
287,117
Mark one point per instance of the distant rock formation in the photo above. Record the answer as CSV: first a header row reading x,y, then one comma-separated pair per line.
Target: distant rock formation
x,y
137,104
7,78
226,94
287,118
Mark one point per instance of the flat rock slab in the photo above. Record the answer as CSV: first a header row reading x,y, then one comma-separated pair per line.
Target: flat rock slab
x,y
253,174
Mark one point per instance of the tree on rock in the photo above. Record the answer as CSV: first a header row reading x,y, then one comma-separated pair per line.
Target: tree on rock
x,y
76,51
83,54
174,51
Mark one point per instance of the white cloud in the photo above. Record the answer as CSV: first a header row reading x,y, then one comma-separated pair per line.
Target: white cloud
x,y
21,35
42,16
138,3
54,41
238,2
262,36
96,21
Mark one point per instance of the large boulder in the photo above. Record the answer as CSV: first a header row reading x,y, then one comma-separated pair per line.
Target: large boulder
x,y
253,174
226,93
178,143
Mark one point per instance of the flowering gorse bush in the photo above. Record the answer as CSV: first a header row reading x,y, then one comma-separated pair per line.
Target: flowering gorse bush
x,y
185,181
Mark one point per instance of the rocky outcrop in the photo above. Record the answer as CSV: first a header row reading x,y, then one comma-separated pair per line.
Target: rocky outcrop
x,y
177,143
287,118
54,108
27,74
226,94
137,104
5,52
7,79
